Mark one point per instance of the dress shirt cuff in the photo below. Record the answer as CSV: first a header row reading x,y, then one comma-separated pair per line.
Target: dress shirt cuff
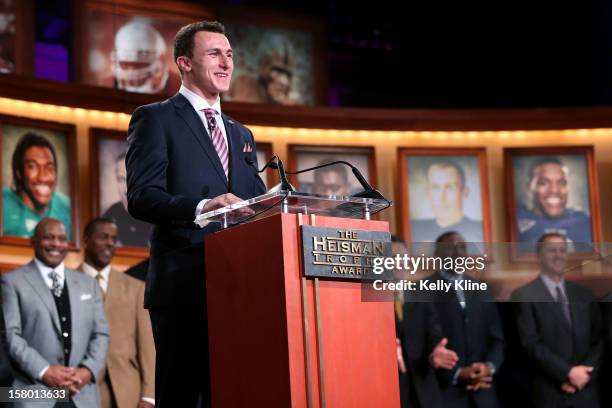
x,y
200,206
149,400
199,209
456,376
42,372
491,367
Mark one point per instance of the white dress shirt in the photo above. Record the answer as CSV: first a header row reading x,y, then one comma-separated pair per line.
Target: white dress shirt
x,y
552,286
199,104
46,270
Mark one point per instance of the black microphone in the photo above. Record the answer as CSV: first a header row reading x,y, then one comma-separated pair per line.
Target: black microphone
x,y
271,164
274,163
368,190
285,185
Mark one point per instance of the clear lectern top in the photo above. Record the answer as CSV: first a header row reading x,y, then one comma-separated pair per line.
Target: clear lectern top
x,y
292,202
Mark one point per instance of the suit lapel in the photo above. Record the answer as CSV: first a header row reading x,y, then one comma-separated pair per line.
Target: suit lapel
x,y
43,291
191,118
234,147
75,290
112,293
549,302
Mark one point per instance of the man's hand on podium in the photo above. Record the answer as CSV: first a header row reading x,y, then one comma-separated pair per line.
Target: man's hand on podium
x,y
223,201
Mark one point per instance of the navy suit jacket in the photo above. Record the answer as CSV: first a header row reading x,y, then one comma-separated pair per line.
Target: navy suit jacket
x,y
171,166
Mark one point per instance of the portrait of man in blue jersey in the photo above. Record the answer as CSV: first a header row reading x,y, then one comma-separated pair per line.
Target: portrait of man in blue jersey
x,y
556,201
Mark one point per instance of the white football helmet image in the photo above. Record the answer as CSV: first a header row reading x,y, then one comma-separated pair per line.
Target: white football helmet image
x,y
138,58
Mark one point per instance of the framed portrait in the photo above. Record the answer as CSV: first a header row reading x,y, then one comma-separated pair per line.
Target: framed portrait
x,y
128,45
337,179
16,36
109,190
277,60
39,177
552,189
444,190
264,154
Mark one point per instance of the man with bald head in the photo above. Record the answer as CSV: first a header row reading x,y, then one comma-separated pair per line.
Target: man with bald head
x,y
56,331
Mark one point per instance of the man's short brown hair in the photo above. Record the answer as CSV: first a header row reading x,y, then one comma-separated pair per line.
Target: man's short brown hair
x,y
184,38
542,240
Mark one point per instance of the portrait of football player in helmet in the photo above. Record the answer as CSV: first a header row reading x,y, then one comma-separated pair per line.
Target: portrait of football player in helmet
x,y
133,54
139,58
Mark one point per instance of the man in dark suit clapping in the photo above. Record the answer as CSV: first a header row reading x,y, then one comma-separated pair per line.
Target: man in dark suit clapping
x,y
470,321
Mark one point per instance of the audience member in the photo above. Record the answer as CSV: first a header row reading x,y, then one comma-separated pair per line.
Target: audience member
x,y
55,325
129,378
559,325
472,325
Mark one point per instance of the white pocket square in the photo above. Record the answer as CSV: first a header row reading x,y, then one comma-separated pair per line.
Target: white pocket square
x,y
85,296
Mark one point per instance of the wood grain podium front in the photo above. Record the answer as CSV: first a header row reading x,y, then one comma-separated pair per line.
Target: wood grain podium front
x,y
278,339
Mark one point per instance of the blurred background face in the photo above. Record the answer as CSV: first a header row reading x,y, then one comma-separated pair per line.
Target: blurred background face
x,y
451,246
553,256
549,190
50,242
100,246
278,87
39,177
331,183
446,192
121,173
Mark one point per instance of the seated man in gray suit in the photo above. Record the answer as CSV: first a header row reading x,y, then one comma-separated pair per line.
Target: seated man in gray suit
x,y
55,326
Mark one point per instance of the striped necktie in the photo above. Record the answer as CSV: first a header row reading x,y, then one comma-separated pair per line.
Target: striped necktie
x,y
217,139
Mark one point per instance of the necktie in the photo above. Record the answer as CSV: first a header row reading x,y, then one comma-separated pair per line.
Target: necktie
x,y
100,279
561,299
217,139
56,287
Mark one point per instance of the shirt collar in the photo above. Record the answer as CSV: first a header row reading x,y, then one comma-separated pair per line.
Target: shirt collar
x,y
45,269
198,102
551,285
93,272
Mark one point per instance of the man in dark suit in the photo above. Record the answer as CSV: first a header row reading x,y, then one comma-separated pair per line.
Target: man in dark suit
x,y
421,348
185,158
470,321
559,325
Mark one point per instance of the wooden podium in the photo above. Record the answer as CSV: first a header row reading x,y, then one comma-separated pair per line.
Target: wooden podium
x,y
278,339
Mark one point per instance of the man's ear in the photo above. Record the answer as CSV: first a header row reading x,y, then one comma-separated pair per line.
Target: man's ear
x,y
184,63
